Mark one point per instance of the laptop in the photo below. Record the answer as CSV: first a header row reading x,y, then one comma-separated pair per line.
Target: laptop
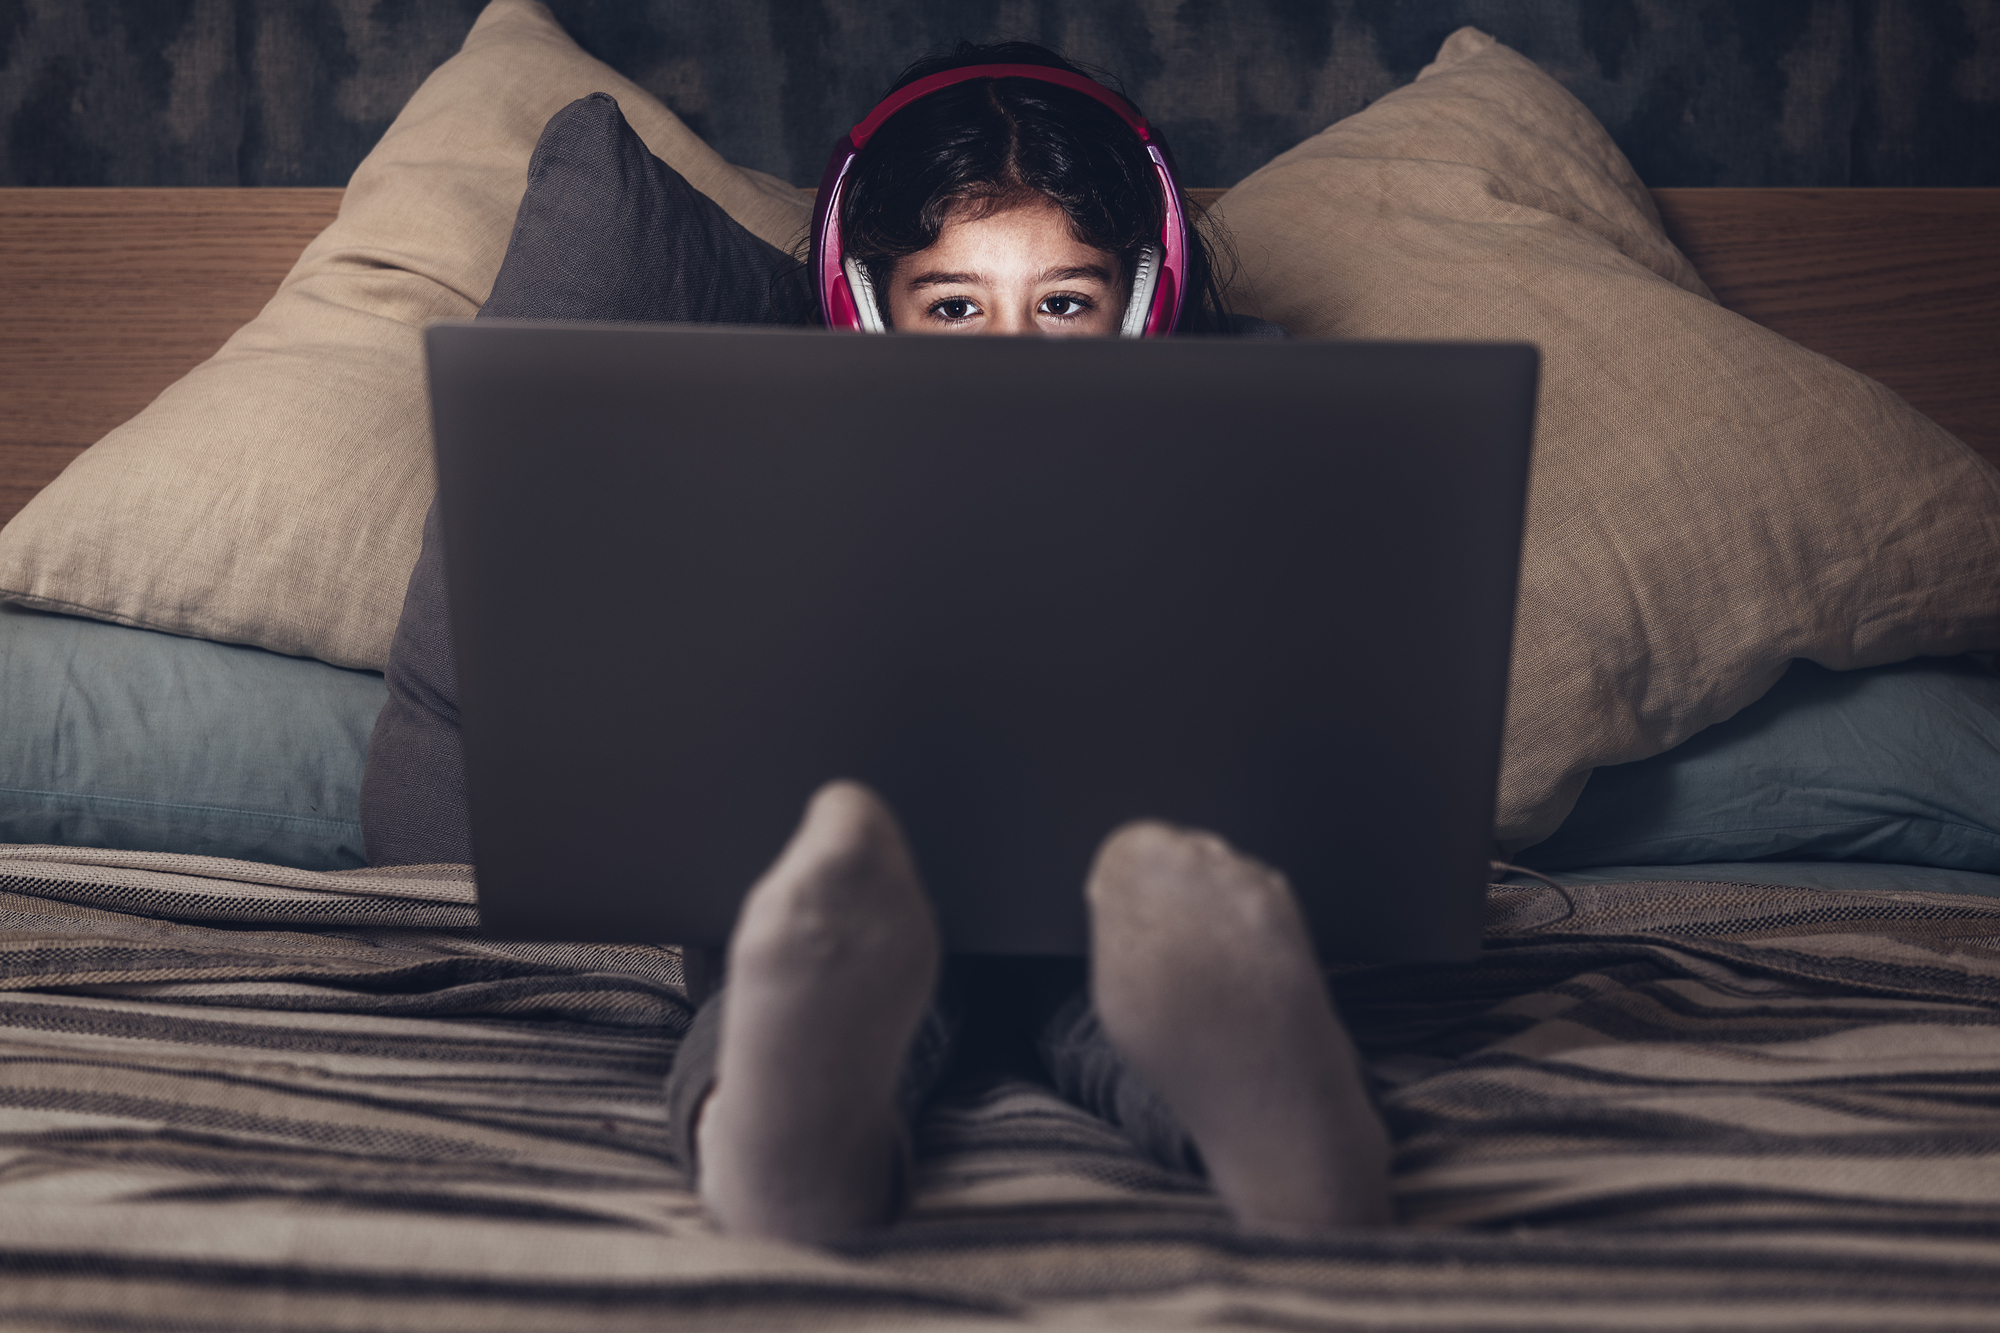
x,y
1027,590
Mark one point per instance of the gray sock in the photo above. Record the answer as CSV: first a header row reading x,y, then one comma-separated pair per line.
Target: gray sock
x,y
1204,978
831,965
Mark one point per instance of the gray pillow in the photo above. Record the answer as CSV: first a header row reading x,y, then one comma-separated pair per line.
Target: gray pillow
x,y
131,739
606,231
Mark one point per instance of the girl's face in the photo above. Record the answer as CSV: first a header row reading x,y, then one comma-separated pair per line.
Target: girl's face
x,y
1018,271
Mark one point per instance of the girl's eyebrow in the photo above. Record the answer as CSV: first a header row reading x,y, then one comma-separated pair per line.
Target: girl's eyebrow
x,y
1076,271
947,280
1070,274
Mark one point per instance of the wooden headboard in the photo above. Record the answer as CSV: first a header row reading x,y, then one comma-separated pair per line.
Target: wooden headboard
x,y
108,296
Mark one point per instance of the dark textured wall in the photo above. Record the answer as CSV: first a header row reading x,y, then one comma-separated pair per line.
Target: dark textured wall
x,y
1698,92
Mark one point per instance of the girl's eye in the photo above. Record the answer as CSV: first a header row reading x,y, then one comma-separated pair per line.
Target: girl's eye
x,y
1064,307
954,309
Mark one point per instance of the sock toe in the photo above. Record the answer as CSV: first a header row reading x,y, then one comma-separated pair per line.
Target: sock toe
x,y
1204,977
833,960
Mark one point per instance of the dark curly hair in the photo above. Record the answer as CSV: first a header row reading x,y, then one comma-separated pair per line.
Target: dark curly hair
x,y
989,144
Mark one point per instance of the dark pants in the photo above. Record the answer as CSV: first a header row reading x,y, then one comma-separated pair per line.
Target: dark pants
x,y
993,1016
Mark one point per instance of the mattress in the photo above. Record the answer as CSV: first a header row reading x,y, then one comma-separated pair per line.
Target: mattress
x,y
234,1103
1862,876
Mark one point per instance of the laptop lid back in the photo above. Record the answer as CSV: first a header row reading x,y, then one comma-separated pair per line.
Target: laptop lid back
x,y
1026,589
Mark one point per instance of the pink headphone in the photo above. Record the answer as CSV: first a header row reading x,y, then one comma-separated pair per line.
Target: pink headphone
x,y
846,295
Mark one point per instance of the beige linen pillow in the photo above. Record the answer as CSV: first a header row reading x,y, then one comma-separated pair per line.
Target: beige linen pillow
x,y
276,494
1708,501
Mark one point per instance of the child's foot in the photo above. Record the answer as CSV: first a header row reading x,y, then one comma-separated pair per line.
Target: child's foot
x,y
1204,977
832,963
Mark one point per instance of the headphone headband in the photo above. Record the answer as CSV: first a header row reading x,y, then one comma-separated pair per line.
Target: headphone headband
x,y
930,83
1155,306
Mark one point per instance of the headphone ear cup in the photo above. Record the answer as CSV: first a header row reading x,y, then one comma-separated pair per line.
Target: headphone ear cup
x,y
865,303
1145,279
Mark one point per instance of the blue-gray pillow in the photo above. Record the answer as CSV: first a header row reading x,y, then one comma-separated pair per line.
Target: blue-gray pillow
x,y
126,738
1894,764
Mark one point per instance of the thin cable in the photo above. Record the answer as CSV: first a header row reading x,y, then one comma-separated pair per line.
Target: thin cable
x,y
1504,868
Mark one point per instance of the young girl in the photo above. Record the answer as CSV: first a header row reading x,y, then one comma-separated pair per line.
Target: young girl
x,y
999,190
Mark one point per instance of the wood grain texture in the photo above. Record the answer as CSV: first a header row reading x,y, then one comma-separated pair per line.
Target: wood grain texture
x,y
108,296
1901,285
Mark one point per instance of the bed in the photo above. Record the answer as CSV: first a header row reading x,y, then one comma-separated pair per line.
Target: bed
x,y
1701,1076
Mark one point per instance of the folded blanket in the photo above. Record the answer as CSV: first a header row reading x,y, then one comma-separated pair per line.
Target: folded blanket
x,y
1667,1105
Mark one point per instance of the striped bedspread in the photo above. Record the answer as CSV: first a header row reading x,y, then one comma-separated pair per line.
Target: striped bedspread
x,y
238,1097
